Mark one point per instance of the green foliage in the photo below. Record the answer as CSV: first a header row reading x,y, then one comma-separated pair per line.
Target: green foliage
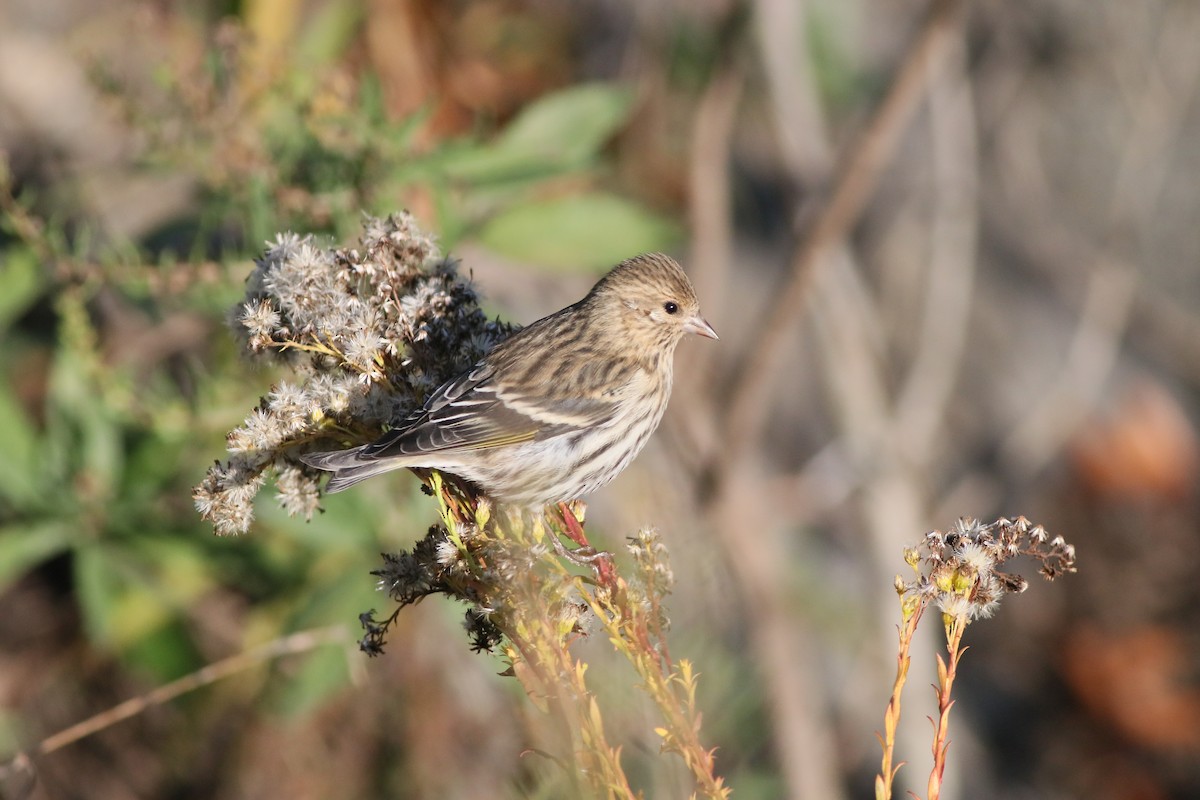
x,y
590,230
320,169
19,456
95,468
503,184
98,455
22,280
562,132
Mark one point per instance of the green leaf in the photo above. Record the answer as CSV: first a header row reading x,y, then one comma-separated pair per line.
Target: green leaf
x,y
122,600
19,462
589,231
571,125
489,164
23,547
96,443
20,283
561,131
96,590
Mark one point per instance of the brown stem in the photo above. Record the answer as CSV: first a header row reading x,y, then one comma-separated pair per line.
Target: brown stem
x,y
891,716
300,642
947,669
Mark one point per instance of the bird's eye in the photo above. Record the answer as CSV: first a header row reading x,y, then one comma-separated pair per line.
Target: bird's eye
x,y
671,307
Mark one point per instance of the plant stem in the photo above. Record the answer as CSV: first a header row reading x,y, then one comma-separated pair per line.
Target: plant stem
x,y
891,716
946,672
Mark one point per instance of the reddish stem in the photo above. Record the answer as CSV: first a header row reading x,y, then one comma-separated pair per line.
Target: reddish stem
x,y
573,528
947,669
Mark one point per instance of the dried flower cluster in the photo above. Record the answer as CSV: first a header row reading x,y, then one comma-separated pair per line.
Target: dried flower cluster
x,y
368,333
494,564
523,600
488,563
650,555
959,570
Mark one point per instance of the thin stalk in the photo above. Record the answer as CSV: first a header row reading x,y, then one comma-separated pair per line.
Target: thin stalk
x,y
891,716
947,669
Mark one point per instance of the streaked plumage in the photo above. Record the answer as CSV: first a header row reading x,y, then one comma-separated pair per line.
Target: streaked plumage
x,y
559,408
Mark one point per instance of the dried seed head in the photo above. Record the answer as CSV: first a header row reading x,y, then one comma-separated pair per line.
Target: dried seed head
x,y
959,569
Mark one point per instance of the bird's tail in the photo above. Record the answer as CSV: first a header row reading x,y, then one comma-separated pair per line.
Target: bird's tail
x,y
350,466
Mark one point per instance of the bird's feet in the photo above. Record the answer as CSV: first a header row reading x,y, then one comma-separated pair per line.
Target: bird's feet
x,y
581,556
584,555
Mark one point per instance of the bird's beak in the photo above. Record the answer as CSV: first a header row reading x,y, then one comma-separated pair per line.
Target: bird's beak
x,y
698,326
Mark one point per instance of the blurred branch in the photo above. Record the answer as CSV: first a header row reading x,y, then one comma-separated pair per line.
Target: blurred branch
x,y
805,750
20,222
1166,331
875,428
300,642
711,226
922,401
710,196
49,245
780,26
1170,331
891,498
803,735
1113,284
748,406
1090,359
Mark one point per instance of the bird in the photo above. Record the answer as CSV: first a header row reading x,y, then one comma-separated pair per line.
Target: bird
x,y
560,407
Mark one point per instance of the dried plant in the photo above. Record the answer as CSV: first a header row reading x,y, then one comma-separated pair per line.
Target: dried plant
x,y
369,332
959,572
526,601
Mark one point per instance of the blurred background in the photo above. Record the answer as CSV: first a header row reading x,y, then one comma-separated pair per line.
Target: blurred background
x,y
952,251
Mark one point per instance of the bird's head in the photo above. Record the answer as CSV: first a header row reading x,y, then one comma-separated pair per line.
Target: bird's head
x,y
649,298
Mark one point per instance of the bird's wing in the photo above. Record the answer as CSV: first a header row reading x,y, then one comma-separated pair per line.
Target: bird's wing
x,y
475,411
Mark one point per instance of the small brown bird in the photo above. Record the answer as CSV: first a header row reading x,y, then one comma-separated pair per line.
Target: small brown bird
x,y
559,408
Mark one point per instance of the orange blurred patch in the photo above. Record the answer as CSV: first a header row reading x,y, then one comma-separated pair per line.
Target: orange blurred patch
x,y
1134,681
466,59
1144,448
